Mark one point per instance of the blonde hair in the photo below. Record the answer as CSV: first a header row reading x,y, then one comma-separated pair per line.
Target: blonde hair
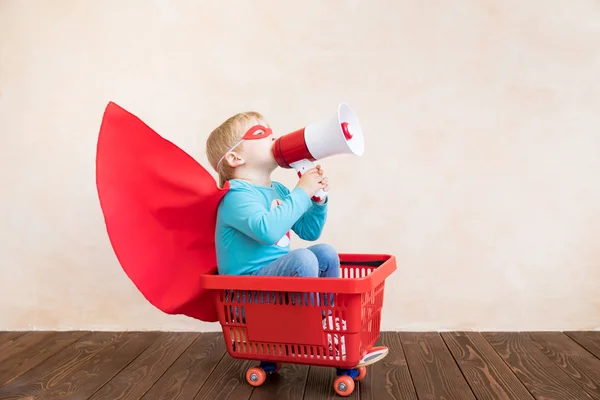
x,y
226,135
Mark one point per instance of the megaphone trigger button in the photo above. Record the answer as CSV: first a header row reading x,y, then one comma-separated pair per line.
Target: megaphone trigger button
x,y
299,174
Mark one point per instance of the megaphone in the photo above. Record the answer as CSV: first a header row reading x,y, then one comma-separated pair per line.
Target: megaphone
x,y
338,134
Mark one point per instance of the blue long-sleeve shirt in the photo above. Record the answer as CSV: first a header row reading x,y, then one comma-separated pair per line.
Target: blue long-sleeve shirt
x,y
253,224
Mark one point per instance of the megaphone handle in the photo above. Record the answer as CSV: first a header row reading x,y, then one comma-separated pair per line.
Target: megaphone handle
x,y
320,196
301,167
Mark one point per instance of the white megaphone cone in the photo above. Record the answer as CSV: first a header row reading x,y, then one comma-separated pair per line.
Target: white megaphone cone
x,y
339,134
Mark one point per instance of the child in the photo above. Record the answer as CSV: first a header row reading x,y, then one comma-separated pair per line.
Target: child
x,y
256,216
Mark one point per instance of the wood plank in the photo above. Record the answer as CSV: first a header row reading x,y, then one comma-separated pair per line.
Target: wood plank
x,y
185,378
434,371
228,381
319,385
7,340
487,374
590,340
31,349
288,383
389,378
94,373
9,335
541,377
34,340
573,359
58,367
139,376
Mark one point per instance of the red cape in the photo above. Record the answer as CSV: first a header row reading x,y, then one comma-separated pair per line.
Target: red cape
x,y
160,210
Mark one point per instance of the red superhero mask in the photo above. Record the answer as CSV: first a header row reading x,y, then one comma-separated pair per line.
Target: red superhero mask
x,y
256,132
160,210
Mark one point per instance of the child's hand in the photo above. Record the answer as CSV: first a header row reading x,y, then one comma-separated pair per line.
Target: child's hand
x,y
312,181
324,179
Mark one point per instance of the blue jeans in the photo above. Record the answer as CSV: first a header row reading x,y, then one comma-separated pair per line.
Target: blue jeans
x,y
320,260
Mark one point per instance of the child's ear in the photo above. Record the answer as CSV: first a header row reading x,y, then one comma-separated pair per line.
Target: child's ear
x,y
234,159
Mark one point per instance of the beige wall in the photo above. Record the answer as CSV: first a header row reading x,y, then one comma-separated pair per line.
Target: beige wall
x,y
481,171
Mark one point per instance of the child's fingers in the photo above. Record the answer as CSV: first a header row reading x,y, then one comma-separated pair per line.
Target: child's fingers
x,y
311,172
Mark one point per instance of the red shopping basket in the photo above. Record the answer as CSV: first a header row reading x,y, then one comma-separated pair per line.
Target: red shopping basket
x,y
325,322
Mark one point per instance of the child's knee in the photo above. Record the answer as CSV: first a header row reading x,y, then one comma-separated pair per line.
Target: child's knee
x,y
327,252
306,263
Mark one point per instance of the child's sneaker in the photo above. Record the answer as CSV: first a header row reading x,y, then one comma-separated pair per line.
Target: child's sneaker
x,y
340,324
375,354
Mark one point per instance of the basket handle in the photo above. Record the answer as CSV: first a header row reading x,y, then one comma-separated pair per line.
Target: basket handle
x,y
372,263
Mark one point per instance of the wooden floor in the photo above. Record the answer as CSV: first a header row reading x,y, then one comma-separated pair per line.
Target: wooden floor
x,y
153,365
